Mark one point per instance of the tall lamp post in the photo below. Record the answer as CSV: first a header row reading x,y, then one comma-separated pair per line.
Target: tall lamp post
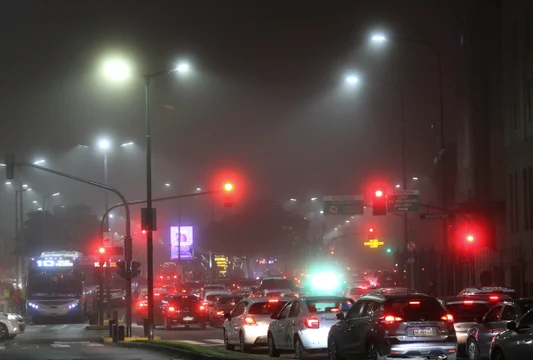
x,y
104,145
182,68
380,39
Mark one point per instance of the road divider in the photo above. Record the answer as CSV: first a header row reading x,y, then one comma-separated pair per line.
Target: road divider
x,y
193,351
127,339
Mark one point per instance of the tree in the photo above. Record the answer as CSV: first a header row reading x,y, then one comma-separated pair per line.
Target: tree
x,y
260,228
74,228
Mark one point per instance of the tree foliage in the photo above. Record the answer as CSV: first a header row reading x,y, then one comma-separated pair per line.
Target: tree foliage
x,y
261,228
74,228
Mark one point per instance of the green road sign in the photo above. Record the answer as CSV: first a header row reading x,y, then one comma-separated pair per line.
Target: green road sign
x,y
404,200
343,205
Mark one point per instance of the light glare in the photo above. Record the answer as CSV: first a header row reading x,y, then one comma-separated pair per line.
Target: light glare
x,y
182,67
378,38
352,79
117,70
41,161
104,144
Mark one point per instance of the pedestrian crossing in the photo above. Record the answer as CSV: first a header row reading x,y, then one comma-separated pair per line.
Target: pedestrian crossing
x,y
56,327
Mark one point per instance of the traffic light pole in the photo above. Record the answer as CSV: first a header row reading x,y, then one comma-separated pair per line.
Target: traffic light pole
x,y
127,238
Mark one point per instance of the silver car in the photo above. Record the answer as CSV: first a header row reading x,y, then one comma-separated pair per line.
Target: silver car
x,y
516,342
247,325
302,326
11,325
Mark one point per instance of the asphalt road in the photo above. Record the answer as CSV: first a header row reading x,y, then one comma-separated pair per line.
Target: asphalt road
x,y
70,342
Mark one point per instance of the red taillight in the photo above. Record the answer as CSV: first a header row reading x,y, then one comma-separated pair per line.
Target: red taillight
x,y
175,276
249,321
160,276
220,312
183,291
335,310
143,304
312,323
202,307
494,298
171,309
273,300
447,317
414,302
468,302
390,319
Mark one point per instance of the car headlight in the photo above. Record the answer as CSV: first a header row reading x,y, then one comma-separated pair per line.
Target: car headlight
x,y
12,317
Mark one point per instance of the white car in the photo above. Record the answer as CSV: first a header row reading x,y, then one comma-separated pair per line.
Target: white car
x,y
302,326
11,325
247,325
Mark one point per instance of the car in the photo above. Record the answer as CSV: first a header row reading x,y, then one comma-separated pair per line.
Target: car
x,y
222,305
488,290
182,310
246,325
465,311
479,336
11,325
356,292
392,325
141,305
303,324
515,342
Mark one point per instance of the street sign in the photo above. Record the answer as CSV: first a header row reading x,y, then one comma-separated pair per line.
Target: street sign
x,y
374,243
436,216
411,246
343,205
404,200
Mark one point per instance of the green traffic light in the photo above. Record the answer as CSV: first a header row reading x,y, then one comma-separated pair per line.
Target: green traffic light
x,y
389,250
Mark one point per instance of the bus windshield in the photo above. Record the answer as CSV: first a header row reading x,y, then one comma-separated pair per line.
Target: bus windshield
x,y
53,285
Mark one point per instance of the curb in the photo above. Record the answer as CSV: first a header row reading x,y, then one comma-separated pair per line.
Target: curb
x,y
108,340
169,349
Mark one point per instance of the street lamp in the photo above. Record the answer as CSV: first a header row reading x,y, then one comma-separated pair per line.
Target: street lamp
x,y
130,143
352,79
117,69
180,68
39,162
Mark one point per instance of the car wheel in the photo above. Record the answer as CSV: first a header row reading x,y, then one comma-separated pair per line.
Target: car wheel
x,y
272,351
333,351
245,348
226,342
299,350
4,334
372,352
497,354
472,350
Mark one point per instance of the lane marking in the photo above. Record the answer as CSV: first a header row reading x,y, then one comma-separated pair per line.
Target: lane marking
x,y
72,342
58,327
59,346
95,345
216,341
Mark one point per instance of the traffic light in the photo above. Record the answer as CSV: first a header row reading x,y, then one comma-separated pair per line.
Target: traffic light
x,y
470,239
101,250
228,195
122,269
10,166
135,271
101,256
371,234
389,250
379,203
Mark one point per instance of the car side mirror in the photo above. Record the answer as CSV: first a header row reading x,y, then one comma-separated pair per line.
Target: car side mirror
x,y
511,325
340,316
227,316
274,316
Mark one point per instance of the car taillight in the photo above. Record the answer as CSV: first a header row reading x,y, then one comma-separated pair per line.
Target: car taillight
x,y
312,323
175,276
468,302
171,309
202,307
494,298
414,302
390,319
160,276
447,317
143,304
273,300
249,321
220,312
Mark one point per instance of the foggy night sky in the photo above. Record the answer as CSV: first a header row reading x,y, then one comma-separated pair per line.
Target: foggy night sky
x,y
267,95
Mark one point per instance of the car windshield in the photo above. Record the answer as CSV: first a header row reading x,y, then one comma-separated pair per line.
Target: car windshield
x,y
266,308
415,309
467,311
277,284
329,305
46,285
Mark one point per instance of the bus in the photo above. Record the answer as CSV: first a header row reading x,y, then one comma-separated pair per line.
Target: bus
x,y
59,286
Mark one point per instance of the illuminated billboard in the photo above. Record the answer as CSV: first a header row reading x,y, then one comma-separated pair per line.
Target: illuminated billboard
x,y
181,243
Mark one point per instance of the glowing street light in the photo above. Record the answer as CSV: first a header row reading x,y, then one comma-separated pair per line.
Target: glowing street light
x,y
182,67
39,162
352,79
378,38
167,184
24,186
131,143
293,200
415,178
55,194
198,189
397,186
8,182
314,198
104,144
117,69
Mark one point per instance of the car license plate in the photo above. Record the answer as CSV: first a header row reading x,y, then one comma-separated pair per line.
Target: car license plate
x,y
423,332
188,318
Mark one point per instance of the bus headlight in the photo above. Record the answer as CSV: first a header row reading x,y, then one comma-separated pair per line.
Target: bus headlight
x,y
73,305
35,306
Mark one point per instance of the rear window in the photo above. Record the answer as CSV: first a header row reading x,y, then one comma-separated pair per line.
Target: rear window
x,y
212,297
413,309
467,312
229,300
327,305
184,300
266,308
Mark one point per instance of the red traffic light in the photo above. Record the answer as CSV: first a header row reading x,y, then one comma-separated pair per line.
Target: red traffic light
x,y
371,230
101,250
379,193
470,238
143,232
228,187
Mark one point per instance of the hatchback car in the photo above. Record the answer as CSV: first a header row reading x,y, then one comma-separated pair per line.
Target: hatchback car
x,y
480,336
182,310
394,325
302,326
247,325
11,325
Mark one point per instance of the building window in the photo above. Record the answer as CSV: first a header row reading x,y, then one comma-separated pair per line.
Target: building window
x,y
529,99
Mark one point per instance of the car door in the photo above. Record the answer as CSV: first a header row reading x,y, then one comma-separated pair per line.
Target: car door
x,y
348,332
292,324
363,325
486,329
522,344
279,327
235,320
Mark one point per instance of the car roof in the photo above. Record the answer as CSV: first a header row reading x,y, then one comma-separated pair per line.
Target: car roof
x,y
324,297
394,296
265,299
462,299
